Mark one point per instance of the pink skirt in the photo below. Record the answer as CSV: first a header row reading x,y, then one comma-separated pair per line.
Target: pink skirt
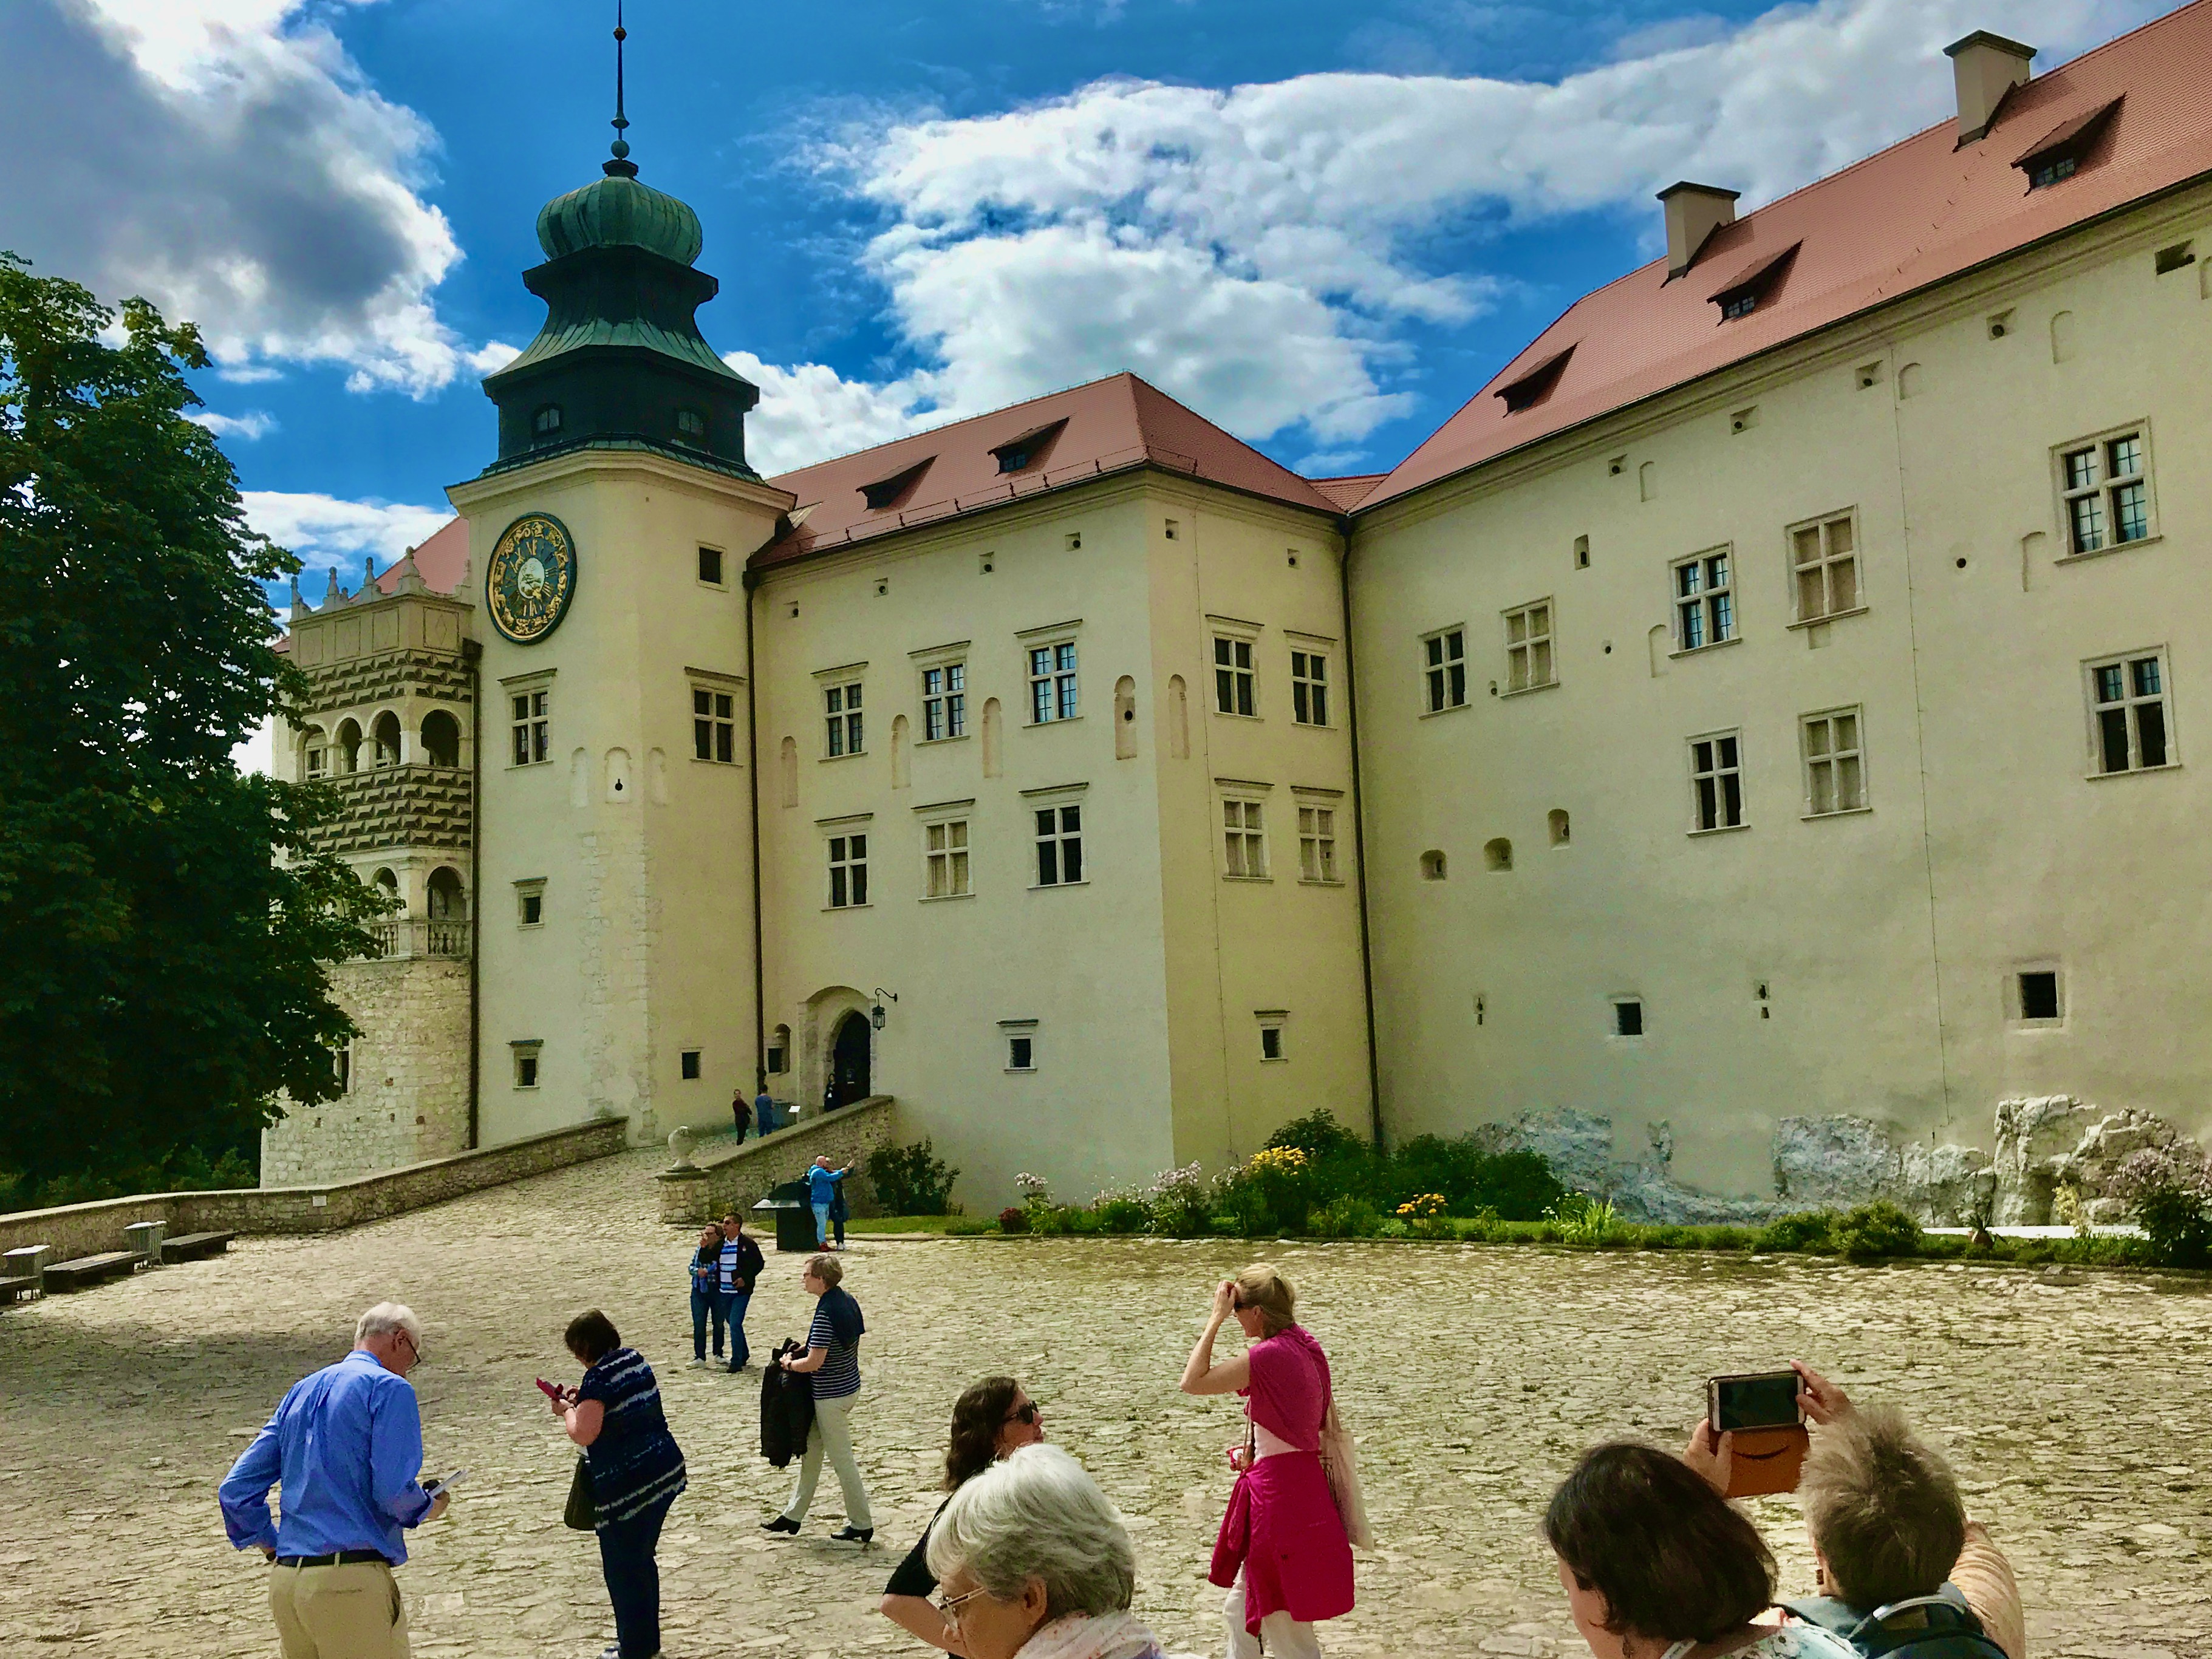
x,y
1283,1529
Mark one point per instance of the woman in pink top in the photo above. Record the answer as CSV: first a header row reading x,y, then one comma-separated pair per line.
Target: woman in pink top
x,y
1282,1551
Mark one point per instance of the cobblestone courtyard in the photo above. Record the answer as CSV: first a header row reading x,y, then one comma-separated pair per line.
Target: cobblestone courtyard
x,y
2075,1406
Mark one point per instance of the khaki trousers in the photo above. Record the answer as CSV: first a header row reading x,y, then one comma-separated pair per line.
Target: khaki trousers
x,y
833,1432
349,1612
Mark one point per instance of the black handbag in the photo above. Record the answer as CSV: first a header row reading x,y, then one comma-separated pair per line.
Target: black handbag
x,y
581,1512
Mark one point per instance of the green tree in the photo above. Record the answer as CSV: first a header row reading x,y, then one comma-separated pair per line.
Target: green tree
x,y
163,919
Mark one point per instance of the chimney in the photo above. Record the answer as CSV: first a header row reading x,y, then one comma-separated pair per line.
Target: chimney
x,y
1985,66
1693,213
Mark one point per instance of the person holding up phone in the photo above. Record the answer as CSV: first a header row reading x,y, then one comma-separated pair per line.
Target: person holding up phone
x,y
707,1305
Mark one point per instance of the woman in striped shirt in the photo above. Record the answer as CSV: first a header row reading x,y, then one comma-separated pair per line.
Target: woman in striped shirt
x,y
833,1358
636,1471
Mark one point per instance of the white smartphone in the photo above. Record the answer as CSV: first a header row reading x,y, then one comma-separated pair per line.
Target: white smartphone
x,y
434,1487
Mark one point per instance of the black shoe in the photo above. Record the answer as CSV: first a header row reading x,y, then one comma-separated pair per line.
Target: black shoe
x,y
781,1523
852,1534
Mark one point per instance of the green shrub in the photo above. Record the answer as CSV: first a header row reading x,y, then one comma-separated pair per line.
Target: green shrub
x,y
1121,1212
1347,1217
1669,1238
1181,1203
2168,1191
910,1180
1806,1231
1317,1134
1873,1232
1393,1226
966,1225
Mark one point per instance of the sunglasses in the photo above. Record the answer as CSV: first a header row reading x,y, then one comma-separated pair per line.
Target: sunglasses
x,y
1024,1413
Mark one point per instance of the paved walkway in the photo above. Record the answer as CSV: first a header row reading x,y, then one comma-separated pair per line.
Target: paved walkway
x,y
2076,1408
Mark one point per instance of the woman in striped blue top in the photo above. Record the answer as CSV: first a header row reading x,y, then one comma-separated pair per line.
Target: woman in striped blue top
x,y
636,1471
833,1358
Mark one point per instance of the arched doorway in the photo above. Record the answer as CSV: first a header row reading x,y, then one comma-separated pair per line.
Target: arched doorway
x,y
849,1062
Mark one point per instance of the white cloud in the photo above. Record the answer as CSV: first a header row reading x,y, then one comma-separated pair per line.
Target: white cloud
x,y
1262,252
328,533
492,356
247,428
226,158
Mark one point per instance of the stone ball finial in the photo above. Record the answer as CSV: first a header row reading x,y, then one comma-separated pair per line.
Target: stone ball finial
x,y
681,1140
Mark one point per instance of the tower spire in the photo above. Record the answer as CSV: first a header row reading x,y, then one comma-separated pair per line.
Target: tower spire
x,y
621,166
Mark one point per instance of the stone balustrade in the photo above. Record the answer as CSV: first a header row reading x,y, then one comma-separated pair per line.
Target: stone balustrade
x,y
735,1177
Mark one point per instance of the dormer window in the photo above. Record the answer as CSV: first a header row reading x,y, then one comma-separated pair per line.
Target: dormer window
x,y
886,493
1754,287
2063,150
690,427
546,423
1533,385
1017,454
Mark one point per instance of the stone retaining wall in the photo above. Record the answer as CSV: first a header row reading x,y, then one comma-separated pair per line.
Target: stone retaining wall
x,y
75,1229
740,1176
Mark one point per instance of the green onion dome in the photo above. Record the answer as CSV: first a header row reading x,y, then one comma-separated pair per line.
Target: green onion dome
x,y
618,211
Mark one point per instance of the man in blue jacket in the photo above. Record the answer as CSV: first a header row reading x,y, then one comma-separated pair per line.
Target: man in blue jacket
x,y
346,1444
822,1193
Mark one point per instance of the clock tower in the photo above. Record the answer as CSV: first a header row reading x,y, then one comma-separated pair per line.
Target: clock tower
x,y
608,541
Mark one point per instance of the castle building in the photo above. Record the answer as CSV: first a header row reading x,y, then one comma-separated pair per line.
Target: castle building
x,y
1771,697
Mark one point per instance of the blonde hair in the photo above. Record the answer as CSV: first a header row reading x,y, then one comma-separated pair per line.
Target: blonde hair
x,y
827,1269
1883,1508
1261,1286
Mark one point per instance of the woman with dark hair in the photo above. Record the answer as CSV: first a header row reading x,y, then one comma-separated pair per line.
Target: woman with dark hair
x,y
990,1420
706,1302
1656,1564
635,1469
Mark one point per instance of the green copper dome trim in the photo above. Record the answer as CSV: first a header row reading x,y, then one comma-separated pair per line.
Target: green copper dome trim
x,y
619,212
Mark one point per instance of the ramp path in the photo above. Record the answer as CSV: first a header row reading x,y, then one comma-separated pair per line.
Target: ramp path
x,y
2073,1405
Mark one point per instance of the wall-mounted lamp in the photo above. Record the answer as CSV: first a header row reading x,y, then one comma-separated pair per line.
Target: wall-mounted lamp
x,y
875,1015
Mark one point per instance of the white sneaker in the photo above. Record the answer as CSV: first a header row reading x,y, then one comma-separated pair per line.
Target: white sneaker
x,y
696,1364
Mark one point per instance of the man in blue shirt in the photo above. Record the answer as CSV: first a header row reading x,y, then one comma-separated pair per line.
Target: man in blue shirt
x,y
346,1444
764,1111
822,1193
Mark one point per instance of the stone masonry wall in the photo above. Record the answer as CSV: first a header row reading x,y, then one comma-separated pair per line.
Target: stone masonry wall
x,y
409,1098
75,1229
740,1177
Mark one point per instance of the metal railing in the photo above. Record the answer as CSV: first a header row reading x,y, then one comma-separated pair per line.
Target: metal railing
x,y
399,937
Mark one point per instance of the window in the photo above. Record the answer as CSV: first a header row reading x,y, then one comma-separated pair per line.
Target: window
x,y
1444,657
1309,687
317,757
530,903
848,871
2127,698
945,701
2039,995
1740,304
1271,1037
777,1060
441,738
1243,840
1433,866
1051,682
1835,773
713,726
1059,845
525,1063
532,731
1232,677
546,423
710,566
1317,843
1717,781
944,857
342,1066
690,1061
1825,556
2050,173
1021,1044
1529,646
841,709
1628,1017
1705,602
2106,490
690,427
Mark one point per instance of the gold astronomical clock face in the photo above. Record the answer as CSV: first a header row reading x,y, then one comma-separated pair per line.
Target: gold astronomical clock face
x,y
532,578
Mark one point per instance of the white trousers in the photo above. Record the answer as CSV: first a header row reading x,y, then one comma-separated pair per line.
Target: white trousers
x,y
1279,1634
832,1432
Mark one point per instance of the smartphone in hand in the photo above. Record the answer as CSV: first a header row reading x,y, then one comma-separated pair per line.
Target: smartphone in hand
x,y
552,1393
439,1487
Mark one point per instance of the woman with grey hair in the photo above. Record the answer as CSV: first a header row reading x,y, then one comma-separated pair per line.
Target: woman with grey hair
x,y
1032,1559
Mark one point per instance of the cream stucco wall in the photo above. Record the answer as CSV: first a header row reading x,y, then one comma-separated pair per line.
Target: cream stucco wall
x,y
1884,939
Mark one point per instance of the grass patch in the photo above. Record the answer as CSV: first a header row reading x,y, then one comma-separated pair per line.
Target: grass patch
x,y
901,1223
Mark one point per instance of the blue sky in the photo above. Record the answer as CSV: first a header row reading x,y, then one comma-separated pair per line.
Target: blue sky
x,y
1323,226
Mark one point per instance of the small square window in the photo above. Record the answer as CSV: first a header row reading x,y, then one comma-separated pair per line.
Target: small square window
x,y
525,1064
2039,995
2105,484
710,566
1628,1017
530,904
2130,731
776,1062
690,1060
1021,1053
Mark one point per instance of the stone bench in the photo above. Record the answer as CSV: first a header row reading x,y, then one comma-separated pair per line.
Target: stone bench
x,y
90,1270
21,1288
190,1247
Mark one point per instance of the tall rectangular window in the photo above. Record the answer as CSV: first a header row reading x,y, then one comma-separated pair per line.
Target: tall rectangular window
x,y
2127,698
2105,485
532,731
1705,602
1444,665
841,709
1309,687
1243,838
944,702
1317,843
713,726
1051,682
1717,781
525,1063
945,859
1529,646
1824,559
710,566
848,871
1059,845
1232,677
1835,770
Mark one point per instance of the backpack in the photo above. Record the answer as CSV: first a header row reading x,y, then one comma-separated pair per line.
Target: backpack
x,y
1951,1631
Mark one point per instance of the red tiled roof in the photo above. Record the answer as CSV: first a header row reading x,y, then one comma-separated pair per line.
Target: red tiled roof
x,y
442,559
1105,427
1346,492
1916,214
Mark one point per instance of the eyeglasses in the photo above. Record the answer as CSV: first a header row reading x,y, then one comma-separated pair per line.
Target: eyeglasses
x,y
1024,1413
403,1335
950,1606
